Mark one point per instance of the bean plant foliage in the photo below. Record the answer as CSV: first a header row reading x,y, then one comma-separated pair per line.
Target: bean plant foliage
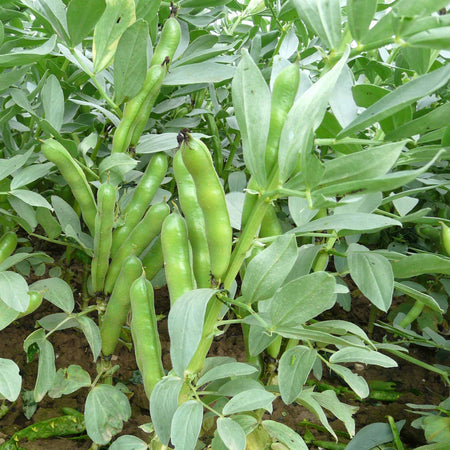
x,y
315,143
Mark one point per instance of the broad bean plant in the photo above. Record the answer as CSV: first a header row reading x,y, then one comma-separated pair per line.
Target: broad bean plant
x,y
264,160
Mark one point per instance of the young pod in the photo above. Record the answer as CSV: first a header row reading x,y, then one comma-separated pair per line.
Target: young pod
x,y
144,331
195,222
211,199
153,260
119,304
8,244
104,220
75,178
175,247
168,42
141,199
138,240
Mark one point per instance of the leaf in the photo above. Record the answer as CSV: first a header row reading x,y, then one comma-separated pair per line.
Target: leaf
x,y
404,8
92,334
56,291
69,380
185,322
426,299
436,38
29,174
82,15
251,99
128,442
360,14
259,339
373,435
10,165
341,100
22,57
357,383
233,369
10,380
305,258
324,17
231,433
130,61
53,102
204,72
302,299
437,429
186,425
284,434
267,270
293,370
398,99
154,143
14,291
163,404
361,355
355,221
105,411
419,264
373,275
249,401
117,17
31,198
7,315
304,118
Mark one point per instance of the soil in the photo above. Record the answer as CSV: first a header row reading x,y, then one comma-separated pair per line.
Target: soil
x,y
415,384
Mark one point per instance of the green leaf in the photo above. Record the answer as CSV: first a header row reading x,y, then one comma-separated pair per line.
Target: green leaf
x,y
436,38
163,404
128,442
284,434
249,401
361,355
10,165
370,163
231,433
404,8
237,385
105,410
82,15
69,380
153,143
373,275
267,270
305,258
31,198
117,17
251,99
53,102
324,17
373,435
92,334
204,72
419,264
398,99
130,61
7,315
293,370
437,429
360,14
186,425
426,299
185,322
355,221
304,118
29,174
302,299
56,291
14,291
233,369
259,339
436,118
11,381
357,383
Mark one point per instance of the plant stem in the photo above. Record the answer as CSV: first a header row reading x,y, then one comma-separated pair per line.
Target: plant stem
x,y
395,433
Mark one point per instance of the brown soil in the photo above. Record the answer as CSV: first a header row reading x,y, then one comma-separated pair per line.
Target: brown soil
x,y
415,384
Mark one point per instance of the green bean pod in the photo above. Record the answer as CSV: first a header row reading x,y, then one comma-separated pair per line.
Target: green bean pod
x,y
168,42
35,302
153,260
445,235
175,247
144,331
75,178
195,222
119,304
270,225
211,198
152,85
141,199
104,220
8,244
138,240
284,91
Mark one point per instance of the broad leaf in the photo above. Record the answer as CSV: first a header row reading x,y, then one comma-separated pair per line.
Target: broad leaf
x,y
56,291
10,380
419,264
186,425
249,401
357,383
373,435
82,15
284,434
361,355
233,369
14,291
92,333
22,57
69,380
231,433
360,14
203,72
